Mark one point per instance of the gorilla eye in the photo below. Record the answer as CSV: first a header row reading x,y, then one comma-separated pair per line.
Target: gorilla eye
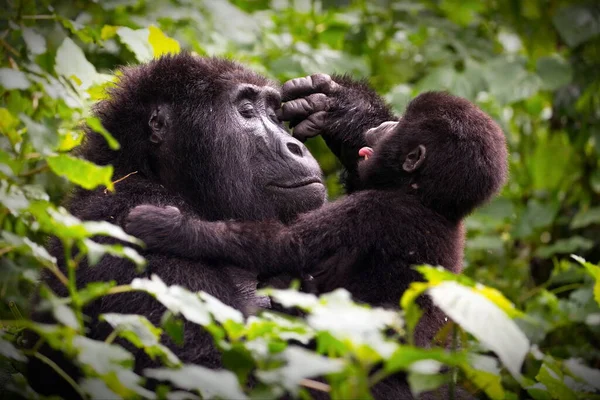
x,y
246,110
273,117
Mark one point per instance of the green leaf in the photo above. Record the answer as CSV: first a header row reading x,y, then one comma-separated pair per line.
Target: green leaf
x,y
552,378
555,72
137,42
12,79
578,23
210,383
101,356
95,251
95,124
8,350
221,312
161,43
589,375
594,271
36,250
142,334
81,172
35,42
94,290
176,299
420,383
586,217
354,324
291,298
42,137
71,62
299,364
497,331
8,125
405,356
13,197
565,246
483,371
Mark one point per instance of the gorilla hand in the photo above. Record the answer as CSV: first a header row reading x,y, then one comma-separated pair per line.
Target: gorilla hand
x,y
338,108
155,226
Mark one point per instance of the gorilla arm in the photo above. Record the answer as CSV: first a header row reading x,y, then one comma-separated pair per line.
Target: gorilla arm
x,y
340,109
265,247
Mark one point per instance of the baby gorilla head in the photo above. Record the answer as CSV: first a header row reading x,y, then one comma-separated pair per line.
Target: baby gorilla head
x,y
444,150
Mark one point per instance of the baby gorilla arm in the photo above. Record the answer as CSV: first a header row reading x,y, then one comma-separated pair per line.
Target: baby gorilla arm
x,y
267,248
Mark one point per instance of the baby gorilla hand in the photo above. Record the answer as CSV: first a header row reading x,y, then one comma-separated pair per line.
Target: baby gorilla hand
x,y
155,226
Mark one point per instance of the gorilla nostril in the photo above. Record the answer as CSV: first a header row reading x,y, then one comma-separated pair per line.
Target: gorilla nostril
x,y
295,149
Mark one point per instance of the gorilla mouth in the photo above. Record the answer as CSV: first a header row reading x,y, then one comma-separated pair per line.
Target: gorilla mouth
x,y
365,152
296,184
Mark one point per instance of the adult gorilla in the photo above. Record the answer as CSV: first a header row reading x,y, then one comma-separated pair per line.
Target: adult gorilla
x,y
200,134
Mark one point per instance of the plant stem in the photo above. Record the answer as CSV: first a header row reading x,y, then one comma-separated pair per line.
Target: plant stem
x,y
62,373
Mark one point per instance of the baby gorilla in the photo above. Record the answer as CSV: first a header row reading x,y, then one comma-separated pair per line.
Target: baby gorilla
x,y
419,178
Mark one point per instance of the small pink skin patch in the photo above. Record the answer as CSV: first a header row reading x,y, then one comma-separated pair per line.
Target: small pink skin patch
x,y
365,152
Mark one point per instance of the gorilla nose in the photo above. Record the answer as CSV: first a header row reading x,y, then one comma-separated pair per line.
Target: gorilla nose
x,y
295,148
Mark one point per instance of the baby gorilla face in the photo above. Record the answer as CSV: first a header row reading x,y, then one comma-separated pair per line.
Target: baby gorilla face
x,y
374,136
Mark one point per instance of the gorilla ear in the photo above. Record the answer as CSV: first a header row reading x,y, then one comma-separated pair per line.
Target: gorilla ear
x,y
158,124
414,159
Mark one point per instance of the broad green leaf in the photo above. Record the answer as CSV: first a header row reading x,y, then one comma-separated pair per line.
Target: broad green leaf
x,y
108,32
496,297
299,364
485,375
13,197
101,356
408,303
578,23
137,42
420,382
221,312
405,356
586,217
555,72
594,271
36,250
8,350
8,126
94,290
353,323
97,389
42,137
11,79
142,334
565,246
71,62
95,251
495,329
81,172
36,43
291,298
210,383
553,379
176,299
95,124
589,375
161,43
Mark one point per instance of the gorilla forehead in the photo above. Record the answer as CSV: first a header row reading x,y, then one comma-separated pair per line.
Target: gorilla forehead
x,y
204,77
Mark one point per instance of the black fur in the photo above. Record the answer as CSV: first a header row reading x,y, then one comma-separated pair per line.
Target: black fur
x,y
200,134
443,159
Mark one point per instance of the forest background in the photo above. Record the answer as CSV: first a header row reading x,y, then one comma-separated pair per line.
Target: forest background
x,y
533,65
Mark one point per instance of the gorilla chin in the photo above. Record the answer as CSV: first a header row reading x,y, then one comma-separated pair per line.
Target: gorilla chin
x,y
298,196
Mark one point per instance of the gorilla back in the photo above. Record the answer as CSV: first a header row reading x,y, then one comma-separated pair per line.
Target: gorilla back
x,y
200,134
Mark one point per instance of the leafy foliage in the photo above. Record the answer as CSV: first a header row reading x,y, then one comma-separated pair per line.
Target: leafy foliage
x,y
527,315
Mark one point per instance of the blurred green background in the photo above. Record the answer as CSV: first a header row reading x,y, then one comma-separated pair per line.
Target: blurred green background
x,y
533,65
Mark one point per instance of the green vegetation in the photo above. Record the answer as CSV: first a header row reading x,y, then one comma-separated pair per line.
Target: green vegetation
x,y
530,327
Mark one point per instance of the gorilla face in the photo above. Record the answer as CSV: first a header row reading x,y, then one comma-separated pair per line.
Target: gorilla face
x,y
223,148
283,172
